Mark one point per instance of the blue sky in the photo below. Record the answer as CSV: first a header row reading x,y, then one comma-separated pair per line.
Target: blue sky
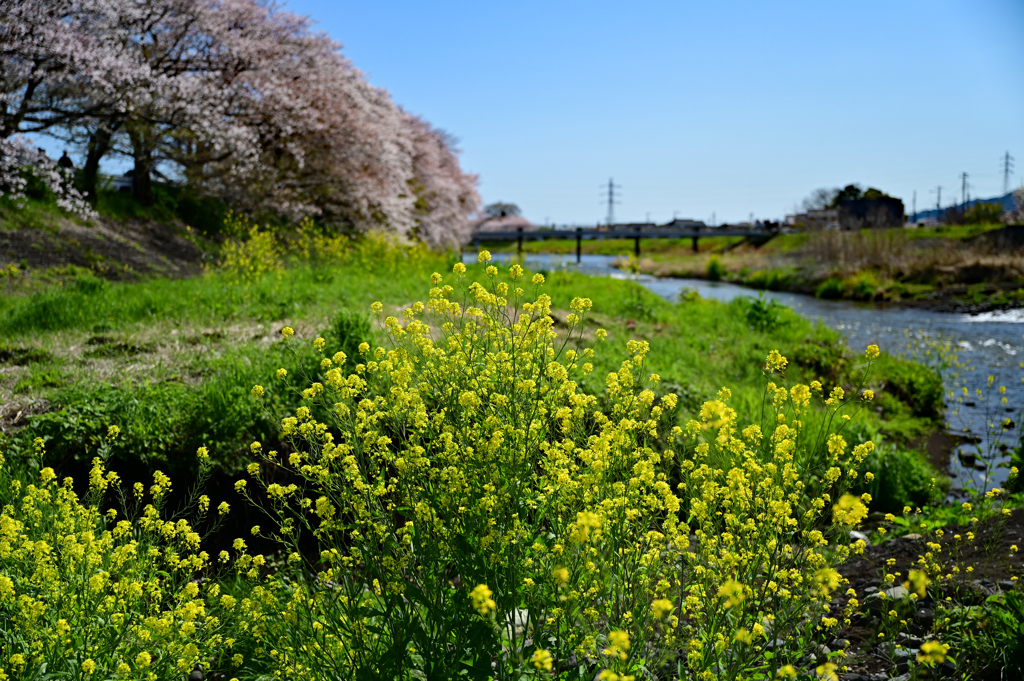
x,y
697,108
701,109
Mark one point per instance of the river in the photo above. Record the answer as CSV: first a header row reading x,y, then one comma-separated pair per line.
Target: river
x,y
989,344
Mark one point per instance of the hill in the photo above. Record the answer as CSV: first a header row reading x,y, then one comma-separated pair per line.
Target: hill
x,y
934,214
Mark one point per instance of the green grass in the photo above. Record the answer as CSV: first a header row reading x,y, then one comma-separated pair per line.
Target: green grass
x,y
91,303
961,232
31,214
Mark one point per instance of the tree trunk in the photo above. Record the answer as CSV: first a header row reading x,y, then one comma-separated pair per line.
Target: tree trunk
x,y
142,178
99,145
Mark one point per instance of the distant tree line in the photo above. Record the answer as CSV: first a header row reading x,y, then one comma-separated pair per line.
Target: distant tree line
x,y
239,99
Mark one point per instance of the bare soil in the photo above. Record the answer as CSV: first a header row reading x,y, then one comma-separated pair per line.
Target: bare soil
x,y
988,556
115,249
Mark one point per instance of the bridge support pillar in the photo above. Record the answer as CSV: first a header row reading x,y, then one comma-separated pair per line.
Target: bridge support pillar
x,y
519,240
636,243
579,244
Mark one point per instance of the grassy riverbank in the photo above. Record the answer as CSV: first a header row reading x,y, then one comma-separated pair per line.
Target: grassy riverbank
x,y
960,267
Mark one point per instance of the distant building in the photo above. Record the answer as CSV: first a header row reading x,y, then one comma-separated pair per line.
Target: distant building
x,y
685,223
121,183
871,213
852,214
826,220
633,226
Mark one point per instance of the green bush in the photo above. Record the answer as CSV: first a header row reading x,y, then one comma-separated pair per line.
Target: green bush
x,y
901,478
348,330
984,213
716,270
163,423
915,385
862,286
770,280
830,288
764,314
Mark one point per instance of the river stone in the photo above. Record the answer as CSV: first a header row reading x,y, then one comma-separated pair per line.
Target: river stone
x,y
859,536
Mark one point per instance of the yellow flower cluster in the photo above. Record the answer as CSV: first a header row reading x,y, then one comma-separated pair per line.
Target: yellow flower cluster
x,y
467,453
121,597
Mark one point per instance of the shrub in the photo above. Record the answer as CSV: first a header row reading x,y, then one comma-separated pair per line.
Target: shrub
x,y
900,478
916,385
475,516
771,280
863,286
716,270
349,330
251,253
989,213
764,314
830,288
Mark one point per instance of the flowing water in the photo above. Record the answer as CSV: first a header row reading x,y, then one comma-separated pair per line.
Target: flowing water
x,y
990,344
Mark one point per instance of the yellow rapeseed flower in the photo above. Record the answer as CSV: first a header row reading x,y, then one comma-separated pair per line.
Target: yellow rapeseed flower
x,y
827,672
618,644
541,659
932,653
482,601
661,607
732,593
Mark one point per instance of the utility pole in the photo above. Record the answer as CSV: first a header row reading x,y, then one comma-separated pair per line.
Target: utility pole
x,y
1007,171
915,206
963,192
610,191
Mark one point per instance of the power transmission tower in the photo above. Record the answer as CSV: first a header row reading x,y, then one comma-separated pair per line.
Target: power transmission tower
x,y
938,201
1007,171
610,197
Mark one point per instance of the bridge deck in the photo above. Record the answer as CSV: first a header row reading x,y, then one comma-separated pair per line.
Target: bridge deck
x,y
583,233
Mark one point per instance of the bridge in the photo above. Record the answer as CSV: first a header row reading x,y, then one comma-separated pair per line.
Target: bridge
x,y
755,236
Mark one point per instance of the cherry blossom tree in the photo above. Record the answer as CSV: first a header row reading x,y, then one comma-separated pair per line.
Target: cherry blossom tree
x,y
239,98
445,196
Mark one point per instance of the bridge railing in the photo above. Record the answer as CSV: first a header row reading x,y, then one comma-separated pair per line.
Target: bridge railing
x,y
581,233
